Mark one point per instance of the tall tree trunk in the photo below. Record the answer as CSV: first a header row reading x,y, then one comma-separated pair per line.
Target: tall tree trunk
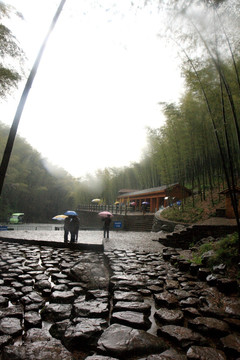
x,y
14,127
193,202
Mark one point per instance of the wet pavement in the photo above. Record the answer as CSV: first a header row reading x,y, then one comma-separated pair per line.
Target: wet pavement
x,y
118,239
130,302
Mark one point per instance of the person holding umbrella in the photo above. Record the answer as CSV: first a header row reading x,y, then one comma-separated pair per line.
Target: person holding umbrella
x,y
71,224
106,218
73,228
106,225
144,207
66,228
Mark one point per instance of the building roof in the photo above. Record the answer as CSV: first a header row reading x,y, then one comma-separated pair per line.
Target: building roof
x,y
126,191
148,191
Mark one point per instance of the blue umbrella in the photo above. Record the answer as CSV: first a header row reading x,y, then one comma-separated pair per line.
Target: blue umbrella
x,y
70,213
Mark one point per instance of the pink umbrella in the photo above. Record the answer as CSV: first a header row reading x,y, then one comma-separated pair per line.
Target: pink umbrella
x,y
133,203
105,214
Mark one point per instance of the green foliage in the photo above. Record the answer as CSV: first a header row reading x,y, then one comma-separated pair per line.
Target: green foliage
x,y
196,259
30,188
225,251
188,215
8,79
8,43
205,247
9,49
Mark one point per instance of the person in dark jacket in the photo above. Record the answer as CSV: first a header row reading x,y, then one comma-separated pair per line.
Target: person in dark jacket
x,y
106,226
73,228
66,228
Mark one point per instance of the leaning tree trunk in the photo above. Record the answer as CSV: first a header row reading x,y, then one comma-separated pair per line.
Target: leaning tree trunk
x,y
14,127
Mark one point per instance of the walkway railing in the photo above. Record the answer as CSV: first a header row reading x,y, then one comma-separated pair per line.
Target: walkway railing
x,y
31,227
114,209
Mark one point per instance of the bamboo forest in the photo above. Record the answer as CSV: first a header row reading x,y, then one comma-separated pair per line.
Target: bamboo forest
x,y
197,146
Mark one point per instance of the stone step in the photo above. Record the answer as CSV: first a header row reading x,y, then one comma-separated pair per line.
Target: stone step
x,y
143,223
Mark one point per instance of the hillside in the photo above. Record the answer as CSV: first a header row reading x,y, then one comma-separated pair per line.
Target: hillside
x,y
197,209
223,250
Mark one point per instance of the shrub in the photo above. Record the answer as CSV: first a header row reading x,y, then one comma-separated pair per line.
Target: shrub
x,y
226,250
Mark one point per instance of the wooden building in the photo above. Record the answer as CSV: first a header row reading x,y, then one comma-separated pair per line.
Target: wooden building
x,y
229,212
157,197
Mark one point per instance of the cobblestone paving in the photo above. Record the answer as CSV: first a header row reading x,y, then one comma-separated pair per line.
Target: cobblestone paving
x,y
128,303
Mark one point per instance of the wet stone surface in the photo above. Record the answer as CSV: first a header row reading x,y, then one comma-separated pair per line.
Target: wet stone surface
x,y
126,303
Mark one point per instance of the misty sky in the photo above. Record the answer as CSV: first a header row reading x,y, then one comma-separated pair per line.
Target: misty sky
x,y
102,75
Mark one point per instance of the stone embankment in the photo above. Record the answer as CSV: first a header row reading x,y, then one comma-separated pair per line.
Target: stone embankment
x,y
126,303
178,235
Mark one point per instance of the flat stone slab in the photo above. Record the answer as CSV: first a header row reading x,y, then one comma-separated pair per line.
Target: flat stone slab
x,y
171,284
12,311
127,296
84,334
168,316
166,299
190,302
32,319
201,352
97,294
131,318
5,340
184,337
100,357
42,284
132,306
129,277
56,312
7,292
169,354
91,308
39,350
93,273
10,326
231,344
209,326
232,307
32,297
62,297
122,341
3,301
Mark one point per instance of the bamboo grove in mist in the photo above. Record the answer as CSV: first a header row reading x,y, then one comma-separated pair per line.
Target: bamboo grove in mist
x,y
198,146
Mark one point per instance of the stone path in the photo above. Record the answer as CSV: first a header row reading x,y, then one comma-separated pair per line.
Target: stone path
x,y
129,303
